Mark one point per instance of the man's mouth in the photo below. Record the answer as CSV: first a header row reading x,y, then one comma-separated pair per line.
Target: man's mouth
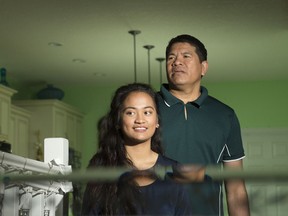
x,y
177,70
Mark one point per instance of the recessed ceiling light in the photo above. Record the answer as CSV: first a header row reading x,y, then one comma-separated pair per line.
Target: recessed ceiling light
x,y
54,44
78,60
99,74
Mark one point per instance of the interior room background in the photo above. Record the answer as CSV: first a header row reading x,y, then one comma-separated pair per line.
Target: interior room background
x,y
258,104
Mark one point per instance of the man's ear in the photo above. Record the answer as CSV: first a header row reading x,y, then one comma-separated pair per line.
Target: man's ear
x,y
204,67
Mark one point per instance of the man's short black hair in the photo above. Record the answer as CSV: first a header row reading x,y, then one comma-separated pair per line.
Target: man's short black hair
x,y
200,48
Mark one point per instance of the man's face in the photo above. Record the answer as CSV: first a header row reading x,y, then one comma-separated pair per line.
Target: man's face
x,y
183,65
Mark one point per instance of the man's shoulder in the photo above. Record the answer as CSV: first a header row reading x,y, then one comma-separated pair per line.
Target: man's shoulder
x,y
164,89
217,104
158,93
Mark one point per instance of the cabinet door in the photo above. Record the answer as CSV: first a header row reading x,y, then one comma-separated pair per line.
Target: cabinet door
x,y
4,117
266,149
71,129
79,134
53,118
74,131
5,106
60,129
68,125
19,132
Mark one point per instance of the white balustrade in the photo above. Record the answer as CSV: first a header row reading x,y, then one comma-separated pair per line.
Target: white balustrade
x,y
39,197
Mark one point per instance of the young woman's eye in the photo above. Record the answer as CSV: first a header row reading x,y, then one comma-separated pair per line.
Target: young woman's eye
x,y
148,112
129,113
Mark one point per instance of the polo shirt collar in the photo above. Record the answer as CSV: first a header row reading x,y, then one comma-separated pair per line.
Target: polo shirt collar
x,y
204,94
170,99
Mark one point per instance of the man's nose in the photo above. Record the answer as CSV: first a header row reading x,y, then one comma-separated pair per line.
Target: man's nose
x,y
177,61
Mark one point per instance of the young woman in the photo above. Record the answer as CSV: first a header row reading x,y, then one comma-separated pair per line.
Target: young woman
x,y
129,136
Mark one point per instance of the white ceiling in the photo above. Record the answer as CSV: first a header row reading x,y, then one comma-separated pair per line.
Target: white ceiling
x,y
246,39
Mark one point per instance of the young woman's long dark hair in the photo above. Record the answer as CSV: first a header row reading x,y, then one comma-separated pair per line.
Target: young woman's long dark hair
x,y
108,197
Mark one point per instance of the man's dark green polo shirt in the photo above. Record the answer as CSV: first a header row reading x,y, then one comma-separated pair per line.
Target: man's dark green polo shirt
x,y
208,134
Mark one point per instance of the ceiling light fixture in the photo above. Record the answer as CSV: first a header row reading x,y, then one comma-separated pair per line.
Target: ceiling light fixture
x,y
54,44
97,74
149,47
78,60
160,60
134,33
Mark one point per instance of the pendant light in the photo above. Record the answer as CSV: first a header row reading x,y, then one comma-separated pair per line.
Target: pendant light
x,y
134,33
149,47
160,60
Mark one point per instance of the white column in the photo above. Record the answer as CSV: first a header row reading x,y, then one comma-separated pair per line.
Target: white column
x,y
11,201
37,205
56,149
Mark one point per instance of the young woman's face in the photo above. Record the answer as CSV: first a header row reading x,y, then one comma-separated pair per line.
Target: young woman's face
x,y
139,118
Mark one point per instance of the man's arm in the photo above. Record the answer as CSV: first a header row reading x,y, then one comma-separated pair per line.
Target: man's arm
x,y
188,173
236,194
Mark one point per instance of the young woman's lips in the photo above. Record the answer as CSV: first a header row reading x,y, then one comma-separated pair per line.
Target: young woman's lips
x,y
140,128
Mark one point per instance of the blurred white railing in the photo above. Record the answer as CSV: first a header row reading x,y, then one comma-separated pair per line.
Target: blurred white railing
x,y
39,197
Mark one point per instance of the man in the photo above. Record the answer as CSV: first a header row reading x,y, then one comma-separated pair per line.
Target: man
x,y
199,129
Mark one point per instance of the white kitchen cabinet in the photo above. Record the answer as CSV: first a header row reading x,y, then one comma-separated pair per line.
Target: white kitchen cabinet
x,y
53,118
5,106
19,131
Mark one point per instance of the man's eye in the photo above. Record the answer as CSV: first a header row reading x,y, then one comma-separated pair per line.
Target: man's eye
x,y
171,57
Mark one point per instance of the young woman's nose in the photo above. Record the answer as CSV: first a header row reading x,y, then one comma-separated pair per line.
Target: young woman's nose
x,y
139,119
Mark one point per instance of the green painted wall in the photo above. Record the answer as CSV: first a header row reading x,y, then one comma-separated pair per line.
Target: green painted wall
x,y
94,102
261,104
257,104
